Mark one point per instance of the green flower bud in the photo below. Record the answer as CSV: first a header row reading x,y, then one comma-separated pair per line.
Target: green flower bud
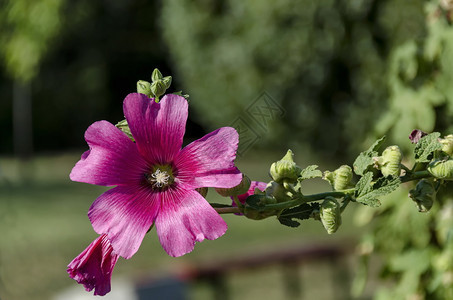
x,y
447,144
240,189
277,191
203,191
340,178
257,214
423,195
144,87
158,88
390,161
125,128
167,81
330,214
441,169
156,75
285,168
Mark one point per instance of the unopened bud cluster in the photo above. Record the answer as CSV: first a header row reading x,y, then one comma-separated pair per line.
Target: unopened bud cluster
x,y
157,87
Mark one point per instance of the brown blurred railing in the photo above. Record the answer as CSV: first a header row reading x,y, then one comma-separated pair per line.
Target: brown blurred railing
x,y
292,260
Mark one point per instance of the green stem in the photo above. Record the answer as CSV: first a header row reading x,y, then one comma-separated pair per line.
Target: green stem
x,y
309,198
415,176
238,203
227,210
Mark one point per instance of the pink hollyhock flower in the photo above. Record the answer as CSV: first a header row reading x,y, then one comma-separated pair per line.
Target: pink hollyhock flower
x,y
254,184
93,267
155,178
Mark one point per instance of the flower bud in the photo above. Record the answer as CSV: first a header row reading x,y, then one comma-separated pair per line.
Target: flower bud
x,y
158,88
125,128
441,169
285,168
167,81
277,191
330,214
203,191
240,189
423,195
156,75
447,144
340,178
144,87
390,161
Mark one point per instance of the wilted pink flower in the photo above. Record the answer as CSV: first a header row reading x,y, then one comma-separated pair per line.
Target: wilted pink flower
x,y
155,178
255,184
93,267
416,135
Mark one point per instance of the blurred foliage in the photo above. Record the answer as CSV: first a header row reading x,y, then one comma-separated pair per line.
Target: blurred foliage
x,y
419,79
417,248
27,28
83,73
324,61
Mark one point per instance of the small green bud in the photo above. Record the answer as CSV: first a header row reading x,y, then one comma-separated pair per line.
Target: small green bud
x,y
167,81
277,191
125,128
144,87
240,189
156,75
390,161
423,195
340,178
203,191
447,144
158,88
441,169
285,168
330,214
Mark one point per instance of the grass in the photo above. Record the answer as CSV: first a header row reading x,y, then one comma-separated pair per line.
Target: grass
x,y
44,226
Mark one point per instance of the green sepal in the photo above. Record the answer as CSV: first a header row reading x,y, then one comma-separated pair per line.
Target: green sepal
x,y
125,128
182,95
364,162
302,212
426,147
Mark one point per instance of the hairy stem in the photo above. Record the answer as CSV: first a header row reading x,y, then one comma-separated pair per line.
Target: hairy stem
x,y
227,210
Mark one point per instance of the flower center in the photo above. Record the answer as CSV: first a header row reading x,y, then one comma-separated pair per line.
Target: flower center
x,y
161,177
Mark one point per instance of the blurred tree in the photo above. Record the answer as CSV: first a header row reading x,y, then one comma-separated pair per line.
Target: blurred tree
x,y
324,61
27,28
417,249
84,72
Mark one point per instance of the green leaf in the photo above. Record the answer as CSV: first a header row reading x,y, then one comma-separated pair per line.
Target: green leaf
x,y
426,146
365,159
310,172
367,193
301,212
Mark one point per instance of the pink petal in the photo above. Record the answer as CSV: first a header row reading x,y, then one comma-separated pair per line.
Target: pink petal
x,y
255,184
209,161
185,218
113,159
125,214
158,128
93,267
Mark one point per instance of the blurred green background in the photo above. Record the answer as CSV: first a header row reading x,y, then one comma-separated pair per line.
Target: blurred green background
x,y
341,71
